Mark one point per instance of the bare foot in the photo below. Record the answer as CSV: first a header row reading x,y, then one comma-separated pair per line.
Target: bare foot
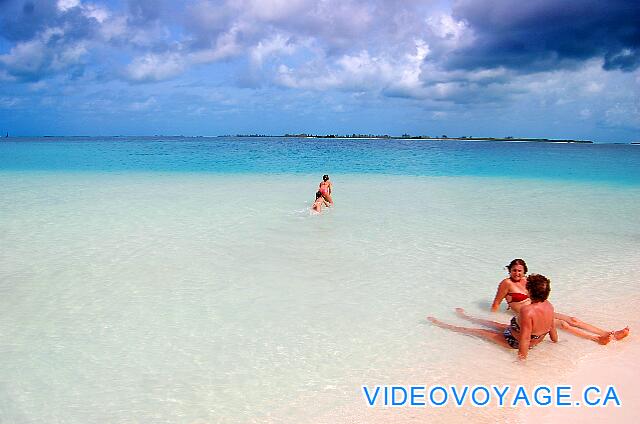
x,y
436,321
461,311
603,340
621,334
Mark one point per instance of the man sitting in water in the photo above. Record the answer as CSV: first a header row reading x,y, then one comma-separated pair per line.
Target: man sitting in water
x,y
534,323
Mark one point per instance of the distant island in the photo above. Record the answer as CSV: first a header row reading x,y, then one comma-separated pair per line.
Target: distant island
x,y
421,137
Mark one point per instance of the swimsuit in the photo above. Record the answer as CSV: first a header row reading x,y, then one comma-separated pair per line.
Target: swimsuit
x,y
518,297
511,340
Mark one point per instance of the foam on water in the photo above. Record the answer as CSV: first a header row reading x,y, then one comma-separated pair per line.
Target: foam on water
x,y
164,297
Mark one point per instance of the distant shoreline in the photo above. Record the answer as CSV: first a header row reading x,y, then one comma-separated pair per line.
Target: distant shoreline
x,y
343,137
424,137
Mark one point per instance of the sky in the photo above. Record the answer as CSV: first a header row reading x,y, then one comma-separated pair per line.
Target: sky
x,y
461,68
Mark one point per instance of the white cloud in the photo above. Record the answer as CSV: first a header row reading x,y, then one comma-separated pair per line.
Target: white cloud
x,y
46,53
593,87
26,57
226,45
444,26
114,28
361,71
64,5
100,14
377,47
273,10
69,55
276,45
153,67
408,80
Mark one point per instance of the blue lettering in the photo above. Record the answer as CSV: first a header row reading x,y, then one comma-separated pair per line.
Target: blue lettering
x,y
386,395
445,395
521,394
487,395
546,398
459,400
375,395
585,395
561,395
394,390
611,394
500,394
415,395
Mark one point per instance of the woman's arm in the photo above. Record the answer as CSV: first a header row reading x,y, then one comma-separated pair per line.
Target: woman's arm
x,y
503,289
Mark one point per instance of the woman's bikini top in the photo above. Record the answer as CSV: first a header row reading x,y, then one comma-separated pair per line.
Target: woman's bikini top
x,y
324,187
517,297
516,327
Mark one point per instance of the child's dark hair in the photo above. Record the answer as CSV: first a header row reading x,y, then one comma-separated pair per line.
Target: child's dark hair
x,y
538,287
318,194
517,262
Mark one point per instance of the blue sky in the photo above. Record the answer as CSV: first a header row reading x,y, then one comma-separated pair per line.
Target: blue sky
x,y
541,68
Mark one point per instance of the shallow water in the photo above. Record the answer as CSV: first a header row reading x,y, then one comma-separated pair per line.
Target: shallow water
x,y
180,297
603,163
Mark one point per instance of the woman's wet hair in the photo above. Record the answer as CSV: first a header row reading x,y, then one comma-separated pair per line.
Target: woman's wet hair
x,y
517,262
538,287
325,177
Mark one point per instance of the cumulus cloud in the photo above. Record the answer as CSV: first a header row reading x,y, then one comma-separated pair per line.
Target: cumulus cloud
x,y
64,5
541,34
276,45
467,51
153,67
46,54
355,72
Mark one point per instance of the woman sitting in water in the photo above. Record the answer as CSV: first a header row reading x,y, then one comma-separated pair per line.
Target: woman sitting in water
x,y
513,290
320,201
526,330
325,188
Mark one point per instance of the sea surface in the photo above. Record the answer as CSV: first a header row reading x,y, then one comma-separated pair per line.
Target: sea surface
x,y
184,280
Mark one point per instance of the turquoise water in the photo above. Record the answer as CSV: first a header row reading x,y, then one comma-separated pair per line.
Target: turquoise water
x,y
617,164
185,281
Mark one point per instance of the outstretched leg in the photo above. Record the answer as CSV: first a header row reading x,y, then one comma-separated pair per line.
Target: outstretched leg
x,y
479,332
486,322
601,339
575,322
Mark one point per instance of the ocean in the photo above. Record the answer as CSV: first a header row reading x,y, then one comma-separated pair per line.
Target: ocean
x,y
184,280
